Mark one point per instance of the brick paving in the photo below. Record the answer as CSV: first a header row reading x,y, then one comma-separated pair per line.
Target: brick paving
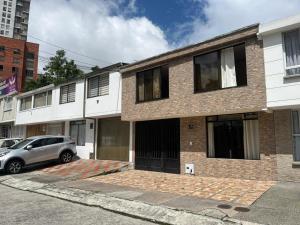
x,y
84,168
238,191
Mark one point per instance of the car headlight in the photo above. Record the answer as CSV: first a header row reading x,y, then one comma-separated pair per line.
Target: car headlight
x,y
3,154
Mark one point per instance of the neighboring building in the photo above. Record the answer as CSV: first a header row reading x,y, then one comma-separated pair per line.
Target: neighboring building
x,y
8,105
18,57
14,16
281,46
88,110
103,104
201,109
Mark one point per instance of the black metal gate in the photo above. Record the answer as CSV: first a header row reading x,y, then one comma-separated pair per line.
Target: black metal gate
x,y
157,145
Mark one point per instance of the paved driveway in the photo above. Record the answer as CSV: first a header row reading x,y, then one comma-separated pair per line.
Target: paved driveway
x,y
84,168
237,191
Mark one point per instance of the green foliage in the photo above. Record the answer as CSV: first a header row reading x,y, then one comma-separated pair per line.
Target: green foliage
x,y
57,71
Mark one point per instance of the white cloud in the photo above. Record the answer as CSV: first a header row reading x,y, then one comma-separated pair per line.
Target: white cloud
x,y
99,29
226,15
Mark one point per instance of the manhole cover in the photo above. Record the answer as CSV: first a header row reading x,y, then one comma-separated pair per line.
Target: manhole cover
x,y
241,209
224,206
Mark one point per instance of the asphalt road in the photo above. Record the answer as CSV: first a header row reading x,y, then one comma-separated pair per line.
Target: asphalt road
x,y
22,207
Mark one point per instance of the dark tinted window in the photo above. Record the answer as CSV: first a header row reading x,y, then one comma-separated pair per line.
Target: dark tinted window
x,y
207,69
153,84
221,69
39,143
51,141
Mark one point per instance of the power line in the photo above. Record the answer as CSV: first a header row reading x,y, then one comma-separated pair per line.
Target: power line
x,y
76,53
47,60
69,58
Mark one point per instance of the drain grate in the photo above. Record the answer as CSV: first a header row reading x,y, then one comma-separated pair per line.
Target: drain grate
x,y
224,206
241,209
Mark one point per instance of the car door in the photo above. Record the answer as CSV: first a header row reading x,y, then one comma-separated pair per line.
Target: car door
x,y
36,153
53,146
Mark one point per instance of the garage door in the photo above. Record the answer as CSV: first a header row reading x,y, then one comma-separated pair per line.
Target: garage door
x,y
157,145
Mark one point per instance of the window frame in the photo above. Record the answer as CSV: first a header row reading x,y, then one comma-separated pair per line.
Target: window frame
x,y
68,88
5,109
244,116
137,101
47,100
22,110
218,50
77,124
284,56
98,87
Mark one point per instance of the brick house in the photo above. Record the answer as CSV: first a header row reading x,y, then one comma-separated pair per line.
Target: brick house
x,y
202,109
281,47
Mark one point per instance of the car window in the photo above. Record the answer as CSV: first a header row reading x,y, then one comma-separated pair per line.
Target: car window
x,y
39,143
21,144
51,141
8,143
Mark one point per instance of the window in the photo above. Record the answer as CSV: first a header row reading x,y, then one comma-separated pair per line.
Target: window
x,y
233,136
39,143
292,52
98,85
296,134
29,74
17,51
8,21
7,104
42,99
16,60
30,55
152,84
52,141
220,69
77,132
2,26
2,48
5,3
15,70
26,103
1,68
67,93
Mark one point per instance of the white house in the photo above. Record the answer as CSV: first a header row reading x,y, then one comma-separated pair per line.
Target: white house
x,y
103,105
88,110
8,105
281,47
57,110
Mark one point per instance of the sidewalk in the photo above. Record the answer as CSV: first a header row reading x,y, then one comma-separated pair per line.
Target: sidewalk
x,y
159,207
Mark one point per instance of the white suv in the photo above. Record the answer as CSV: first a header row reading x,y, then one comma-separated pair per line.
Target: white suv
x,y
35,150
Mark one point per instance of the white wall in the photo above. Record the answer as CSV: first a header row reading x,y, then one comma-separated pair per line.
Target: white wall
x,y
282,92
55,111
84,151
107,105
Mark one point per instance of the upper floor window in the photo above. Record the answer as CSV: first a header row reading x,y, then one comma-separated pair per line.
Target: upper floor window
x,y
42,99
98,85
7,104
221,69
67,93
26,103
153,84
1,67
2,48
292,52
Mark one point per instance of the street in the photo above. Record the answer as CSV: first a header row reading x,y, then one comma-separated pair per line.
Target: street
x,y
22,207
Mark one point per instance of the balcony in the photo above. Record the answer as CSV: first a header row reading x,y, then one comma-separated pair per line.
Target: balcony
x,y
18,14
18,25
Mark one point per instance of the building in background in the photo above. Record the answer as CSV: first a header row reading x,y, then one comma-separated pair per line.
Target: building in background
x,y
281,46
20,58
14,16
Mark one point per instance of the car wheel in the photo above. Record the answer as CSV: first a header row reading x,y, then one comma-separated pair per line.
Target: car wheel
x,y
14,166
66,157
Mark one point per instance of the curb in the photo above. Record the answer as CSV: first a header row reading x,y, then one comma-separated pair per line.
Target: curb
x,y
135,209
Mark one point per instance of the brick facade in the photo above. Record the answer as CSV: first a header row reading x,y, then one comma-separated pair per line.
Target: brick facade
x,y
194,148
284,146
7,59
183,102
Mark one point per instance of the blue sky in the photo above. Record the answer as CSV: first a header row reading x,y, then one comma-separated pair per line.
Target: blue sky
x,y
110,31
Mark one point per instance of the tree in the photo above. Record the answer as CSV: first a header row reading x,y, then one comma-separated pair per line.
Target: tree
x,y
57,71
61,69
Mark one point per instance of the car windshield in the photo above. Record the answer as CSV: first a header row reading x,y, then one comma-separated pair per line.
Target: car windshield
x,y
21,144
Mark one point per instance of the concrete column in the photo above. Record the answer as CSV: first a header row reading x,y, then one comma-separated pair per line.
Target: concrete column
x,y
131,141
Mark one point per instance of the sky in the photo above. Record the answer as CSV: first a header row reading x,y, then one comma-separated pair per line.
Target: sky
x,y
103,32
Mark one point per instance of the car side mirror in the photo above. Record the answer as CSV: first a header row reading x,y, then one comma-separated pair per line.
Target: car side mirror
x,y
29,147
